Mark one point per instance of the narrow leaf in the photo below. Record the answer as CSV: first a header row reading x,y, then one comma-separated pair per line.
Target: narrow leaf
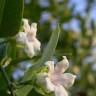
x,y
10,17
2,3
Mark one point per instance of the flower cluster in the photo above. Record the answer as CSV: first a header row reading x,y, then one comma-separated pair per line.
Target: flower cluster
x,y
28,38
55,80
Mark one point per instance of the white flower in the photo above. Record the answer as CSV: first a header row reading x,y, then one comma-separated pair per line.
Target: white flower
x,y
28,38
55,80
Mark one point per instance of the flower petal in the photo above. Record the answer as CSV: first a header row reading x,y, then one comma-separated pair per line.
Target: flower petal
x,y
33,29
32,47
21,37
26,25
49,84
36,44
29,49
50,65
67,80
60,91
62,65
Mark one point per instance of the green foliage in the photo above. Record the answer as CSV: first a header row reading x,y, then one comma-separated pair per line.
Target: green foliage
x,y
2,3
11,12
36,92
77,46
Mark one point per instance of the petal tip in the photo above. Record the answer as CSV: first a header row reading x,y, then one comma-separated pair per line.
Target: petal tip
x,y
64,57
34,25
25,20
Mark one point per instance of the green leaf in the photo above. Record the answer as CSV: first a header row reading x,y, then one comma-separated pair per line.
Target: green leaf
x,y
2,3
48,53
11,12
34,93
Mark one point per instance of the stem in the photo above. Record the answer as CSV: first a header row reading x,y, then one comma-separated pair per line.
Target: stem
x,y
7,80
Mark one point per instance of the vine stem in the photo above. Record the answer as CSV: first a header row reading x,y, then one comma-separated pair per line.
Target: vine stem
x,y
9,83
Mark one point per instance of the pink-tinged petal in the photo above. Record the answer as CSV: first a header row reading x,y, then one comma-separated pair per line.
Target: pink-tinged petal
x,y
60,91
21,37
49,84
33,29
36,44
62,65
50,65
32,47
29,49
26,25
55,78
67,80
30,37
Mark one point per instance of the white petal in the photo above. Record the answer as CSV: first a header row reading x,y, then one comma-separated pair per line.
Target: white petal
x,y
33,29
67,80
45,81
30,36
49,84
29,49
50,65
62,65
36,44
21,37
26,25
60,91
